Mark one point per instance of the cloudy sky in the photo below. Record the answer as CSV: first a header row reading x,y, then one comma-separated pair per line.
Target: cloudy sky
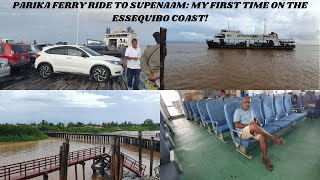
x,y
53,25
300,24
79,106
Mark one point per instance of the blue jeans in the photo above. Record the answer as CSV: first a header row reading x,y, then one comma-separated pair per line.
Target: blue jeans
x,y
133,74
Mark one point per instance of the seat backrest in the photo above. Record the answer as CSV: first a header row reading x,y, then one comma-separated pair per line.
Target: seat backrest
x,y
267,108
216,111
263,95
188,106
185,106
256,106
164,151
202,106
194,108
225,100
278,105
287,103
229,109
161,118
300,103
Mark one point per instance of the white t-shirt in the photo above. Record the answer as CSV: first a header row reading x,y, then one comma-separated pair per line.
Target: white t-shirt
x,y
132,52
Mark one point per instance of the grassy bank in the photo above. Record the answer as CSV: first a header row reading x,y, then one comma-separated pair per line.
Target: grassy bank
x,y
19,133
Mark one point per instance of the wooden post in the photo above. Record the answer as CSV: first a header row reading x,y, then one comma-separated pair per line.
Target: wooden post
x,y
64,152
76,171
140,149
83,170
116,160
163,53
45,176
151,156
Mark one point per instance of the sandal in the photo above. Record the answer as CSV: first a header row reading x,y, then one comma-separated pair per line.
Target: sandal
x,y
268,164
278,140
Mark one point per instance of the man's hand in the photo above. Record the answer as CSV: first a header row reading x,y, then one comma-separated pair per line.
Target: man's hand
x,y
152,77
257,122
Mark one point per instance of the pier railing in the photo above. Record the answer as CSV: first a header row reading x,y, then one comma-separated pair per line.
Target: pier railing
x,y
36,167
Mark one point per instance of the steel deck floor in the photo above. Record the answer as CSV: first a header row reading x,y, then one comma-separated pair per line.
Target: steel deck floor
x,y
203,156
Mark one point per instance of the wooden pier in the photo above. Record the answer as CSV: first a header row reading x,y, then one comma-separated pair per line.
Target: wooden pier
x,y
106,138
44,166
29,79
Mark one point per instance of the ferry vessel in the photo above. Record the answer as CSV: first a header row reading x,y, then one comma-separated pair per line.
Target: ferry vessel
x,y
119,37
235,39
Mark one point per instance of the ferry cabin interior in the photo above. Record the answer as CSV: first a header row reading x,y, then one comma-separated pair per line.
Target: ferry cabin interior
x,y
200,142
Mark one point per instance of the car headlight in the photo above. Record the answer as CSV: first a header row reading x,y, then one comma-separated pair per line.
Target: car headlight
x,y
116,62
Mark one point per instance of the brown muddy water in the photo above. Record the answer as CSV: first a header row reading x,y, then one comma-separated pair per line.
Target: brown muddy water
x,y
194,66
23,151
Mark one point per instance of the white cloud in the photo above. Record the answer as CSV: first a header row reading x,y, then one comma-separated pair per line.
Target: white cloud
x,y
55,99
142,96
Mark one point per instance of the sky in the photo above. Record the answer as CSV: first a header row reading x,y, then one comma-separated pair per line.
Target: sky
x,y
78,106
300,24
53,25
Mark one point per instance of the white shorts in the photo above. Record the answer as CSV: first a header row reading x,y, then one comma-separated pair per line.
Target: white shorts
x,y
247,135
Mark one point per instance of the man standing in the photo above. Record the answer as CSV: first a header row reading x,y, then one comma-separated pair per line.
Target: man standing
x,y
150,61
246,121
133,55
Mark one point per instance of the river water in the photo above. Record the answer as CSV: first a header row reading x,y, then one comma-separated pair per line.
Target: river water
x,y
194,66
23,151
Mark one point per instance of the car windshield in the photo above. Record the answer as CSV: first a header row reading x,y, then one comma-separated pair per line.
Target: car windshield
x,y
27,47
90,51
17,49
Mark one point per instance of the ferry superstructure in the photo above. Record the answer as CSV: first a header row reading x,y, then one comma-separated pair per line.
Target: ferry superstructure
x,y
119,37
235,39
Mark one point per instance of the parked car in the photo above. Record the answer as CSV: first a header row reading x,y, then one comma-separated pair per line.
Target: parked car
x,y
33,49
16,54
4,67
79,60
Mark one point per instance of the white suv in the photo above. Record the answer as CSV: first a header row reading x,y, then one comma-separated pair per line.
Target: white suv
x,y
79,60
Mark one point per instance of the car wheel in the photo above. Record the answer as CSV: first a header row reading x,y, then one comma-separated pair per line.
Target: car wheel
x,y
45,70
100,73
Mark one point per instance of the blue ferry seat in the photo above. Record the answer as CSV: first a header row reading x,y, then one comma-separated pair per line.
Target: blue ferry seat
x,y
189,110
217,116
278,101
289,109
186,109
195,110
241,144
170,167
205,119
256,106
270,115
166,123
166,138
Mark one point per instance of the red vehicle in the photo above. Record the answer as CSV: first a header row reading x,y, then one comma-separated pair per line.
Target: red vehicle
x,y
16,54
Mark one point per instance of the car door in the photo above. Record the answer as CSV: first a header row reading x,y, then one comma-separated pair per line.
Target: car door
x,y
78,60
56,57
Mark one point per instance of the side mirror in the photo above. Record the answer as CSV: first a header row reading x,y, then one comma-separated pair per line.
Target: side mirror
x,y
84,55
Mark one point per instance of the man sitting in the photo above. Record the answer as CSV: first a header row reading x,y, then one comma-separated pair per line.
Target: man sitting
x,y
246,121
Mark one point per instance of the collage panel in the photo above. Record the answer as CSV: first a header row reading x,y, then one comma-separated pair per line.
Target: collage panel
x,y
247,48
79,134
77,48
239,134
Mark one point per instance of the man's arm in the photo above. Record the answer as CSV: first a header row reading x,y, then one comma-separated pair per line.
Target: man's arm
x,y
128,57
239,125
144,64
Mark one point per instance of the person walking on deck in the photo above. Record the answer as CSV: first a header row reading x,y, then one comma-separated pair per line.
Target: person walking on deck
x,y
246,121
133,55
